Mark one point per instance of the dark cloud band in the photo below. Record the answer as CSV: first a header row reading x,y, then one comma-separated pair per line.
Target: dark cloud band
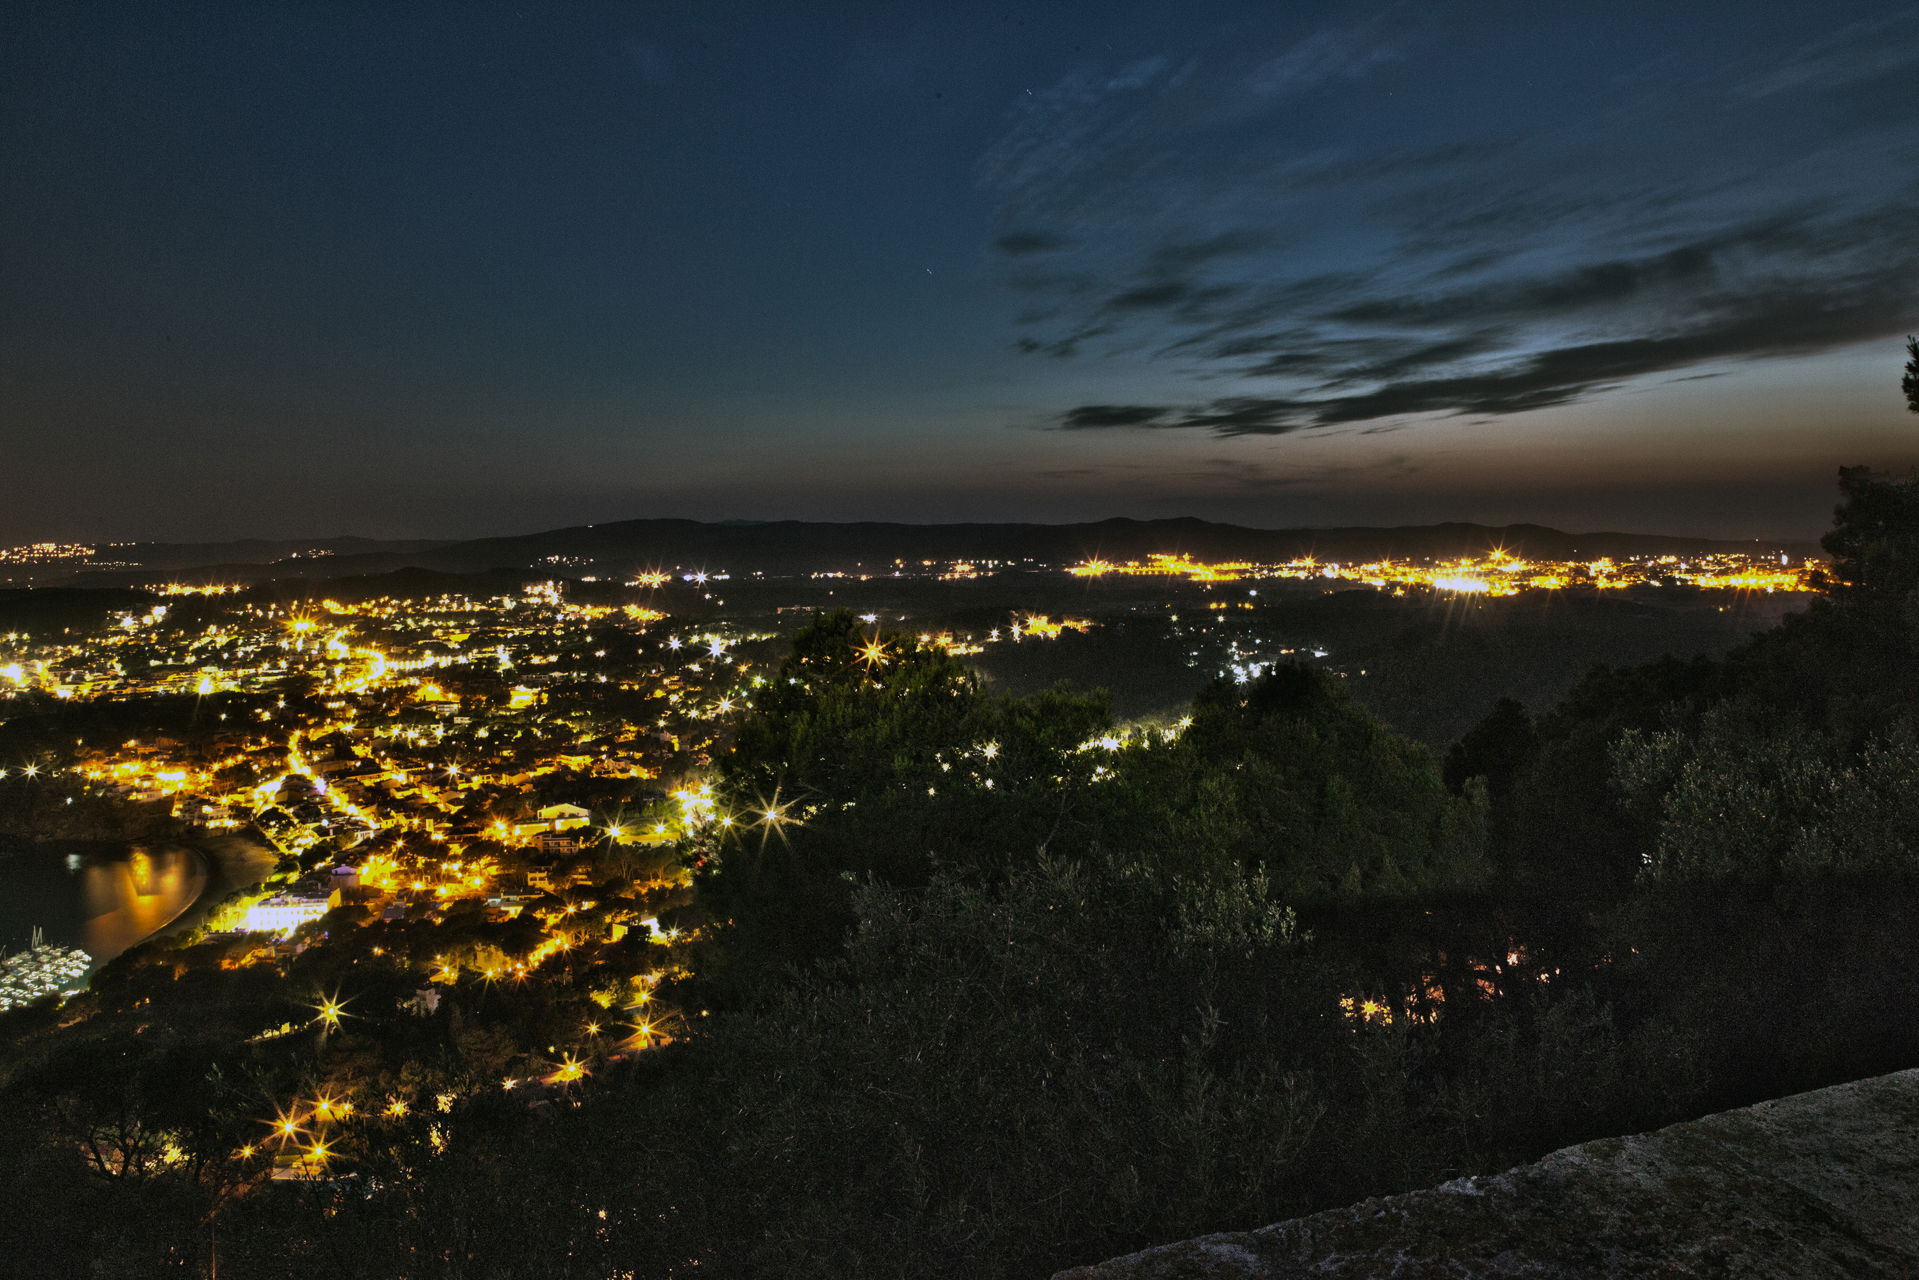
x,y
1786,286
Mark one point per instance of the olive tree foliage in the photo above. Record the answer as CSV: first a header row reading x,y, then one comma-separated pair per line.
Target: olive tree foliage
x,y
884,758
1288,774
1806,763
891,756
998,1081
1749,797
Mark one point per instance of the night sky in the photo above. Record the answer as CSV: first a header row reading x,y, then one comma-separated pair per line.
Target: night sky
x,y
301,269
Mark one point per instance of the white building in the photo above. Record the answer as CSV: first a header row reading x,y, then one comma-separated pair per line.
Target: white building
x,y
282,913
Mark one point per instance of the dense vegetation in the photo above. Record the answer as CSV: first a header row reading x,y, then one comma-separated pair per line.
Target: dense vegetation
x,y
986,990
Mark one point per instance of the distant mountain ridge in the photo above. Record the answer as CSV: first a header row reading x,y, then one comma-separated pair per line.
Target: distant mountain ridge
x,y
785,547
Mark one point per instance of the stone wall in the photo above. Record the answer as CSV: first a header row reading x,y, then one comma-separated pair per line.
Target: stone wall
x,y
1823,1184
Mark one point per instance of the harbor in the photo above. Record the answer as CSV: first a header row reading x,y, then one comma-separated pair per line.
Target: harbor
x,y
43,969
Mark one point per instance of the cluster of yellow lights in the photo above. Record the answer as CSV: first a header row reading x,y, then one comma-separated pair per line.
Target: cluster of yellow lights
x,y
1366,1011
697,804
157,777
944,640
1165,564
1494,574
1045,628
302,1125
1123,737
594,612
199,589
31,551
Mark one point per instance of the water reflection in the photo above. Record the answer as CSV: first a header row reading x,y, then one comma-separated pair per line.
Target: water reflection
x,y
103,900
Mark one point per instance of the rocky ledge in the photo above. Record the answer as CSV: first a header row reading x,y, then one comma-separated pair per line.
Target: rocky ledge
x,y
1823,1184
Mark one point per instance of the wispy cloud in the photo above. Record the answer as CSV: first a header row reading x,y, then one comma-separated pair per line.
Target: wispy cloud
x,y
1332,55
1865,50
1152,219
1089,416
1074,134
1781,323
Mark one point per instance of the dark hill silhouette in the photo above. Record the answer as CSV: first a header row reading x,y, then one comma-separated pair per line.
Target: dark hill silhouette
x,y
34,611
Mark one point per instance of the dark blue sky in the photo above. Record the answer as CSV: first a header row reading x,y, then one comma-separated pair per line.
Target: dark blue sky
x,y
453,269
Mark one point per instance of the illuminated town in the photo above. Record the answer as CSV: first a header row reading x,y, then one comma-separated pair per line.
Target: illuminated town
x,y
409,757
1108,642
1496,573
533,763
479,816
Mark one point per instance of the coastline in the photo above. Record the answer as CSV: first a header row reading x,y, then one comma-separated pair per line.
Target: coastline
x,y
202,877
229,863
81,891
